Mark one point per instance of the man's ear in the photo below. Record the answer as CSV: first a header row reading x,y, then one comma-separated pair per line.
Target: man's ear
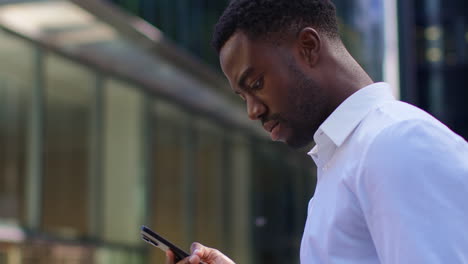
x,y
310,45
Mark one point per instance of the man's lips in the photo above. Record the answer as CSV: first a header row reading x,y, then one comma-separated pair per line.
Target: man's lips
x,y
268,126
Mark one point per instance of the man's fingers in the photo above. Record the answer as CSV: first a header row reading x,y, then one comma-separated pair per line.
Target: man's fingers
x,y
199,250
169,257
194,259
198,253
196,246
207,255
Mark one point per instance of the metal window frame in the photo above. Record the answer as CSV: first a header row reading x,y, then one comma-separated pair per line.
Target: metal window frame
x,y
35,167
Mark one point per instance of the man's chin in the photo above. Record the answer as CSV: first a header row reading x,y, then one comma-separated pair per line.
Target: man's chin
x,y
296,143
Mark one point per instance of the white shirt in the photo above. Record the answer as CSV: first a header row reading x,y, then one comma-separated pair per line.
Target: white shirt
x,y
392,186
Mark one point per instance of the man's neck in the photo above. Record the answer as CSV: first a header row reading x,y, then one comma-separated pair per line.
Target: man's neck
x,y
349,76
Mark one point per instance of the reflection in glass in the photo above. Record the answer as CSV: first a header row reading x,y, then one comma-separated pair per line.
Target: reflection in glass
x,y
276,235
237,234
16,75
362,30
209,186
116,256
69,90
167,182
123,187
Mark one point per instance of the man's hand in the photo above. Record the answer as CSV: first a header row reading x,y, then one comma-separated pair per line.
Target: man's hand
x,y
201,254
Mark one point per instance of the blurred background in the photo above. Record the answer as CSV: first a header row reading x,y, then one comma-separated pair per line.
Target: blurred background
x,y
115,114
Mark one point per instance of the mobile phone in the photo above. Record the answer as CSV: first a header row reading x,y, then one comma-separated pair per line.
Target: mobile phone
x,y
158,241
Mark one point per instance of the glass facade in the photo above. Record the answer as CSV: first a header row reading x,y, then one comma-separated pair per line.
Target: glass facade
x,y
123,163
208,182
434,61
87,157
142,158
190,24
279,204
281,187
16,88
68,101
361,25
168,185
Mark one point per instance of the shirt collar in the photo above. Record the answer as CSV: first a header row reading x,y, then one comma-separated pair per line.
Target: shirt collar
x,y
339,125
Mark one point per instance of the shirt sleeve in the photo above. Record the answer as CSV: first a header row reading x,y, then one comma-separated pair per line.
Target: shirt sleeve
x,y
414,194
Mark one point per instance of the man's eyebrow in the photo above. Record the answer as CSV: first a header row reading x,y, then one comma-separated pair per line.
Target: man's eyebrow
x,y
244,76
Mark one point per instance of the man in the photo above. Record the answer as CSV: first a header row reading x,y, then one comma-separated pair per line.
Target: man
x,y
392,180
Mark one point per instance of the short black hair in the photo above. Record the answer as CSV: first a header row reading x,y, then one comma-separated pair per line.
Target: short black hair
x,y
261,18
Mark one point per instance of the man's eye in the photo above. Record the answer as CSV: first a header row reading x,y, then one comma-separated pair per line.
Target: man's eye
x,y
257,85
241,96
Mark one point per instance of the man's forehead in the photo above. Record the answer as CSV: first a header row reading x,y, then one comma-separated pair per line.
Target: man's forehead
x,y
241,47
236,47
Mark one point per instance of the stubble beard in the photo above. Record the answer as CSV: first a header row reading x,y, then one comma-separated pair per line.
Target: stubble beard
x,y
307,103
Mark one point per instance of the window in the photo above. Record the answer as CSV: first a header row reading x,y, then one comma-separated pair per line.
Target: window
x,y
167,195
68,93
123,183
209,219
117,256
274,205
362,30
16,87
238,195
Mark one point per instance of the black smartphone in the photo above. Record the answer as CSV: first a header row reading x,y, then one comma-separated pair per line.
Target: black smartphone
x,y
158,241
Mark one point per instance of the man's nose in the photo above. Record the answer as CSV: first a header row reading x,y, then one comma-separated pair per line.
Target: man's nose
x,y
255,108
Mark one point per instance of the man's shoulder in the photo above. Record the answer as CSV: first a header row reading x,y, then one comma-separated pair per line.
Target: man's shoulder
x,y
412,137
400,118
412,144
401,111
396,123
393,115
397,137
